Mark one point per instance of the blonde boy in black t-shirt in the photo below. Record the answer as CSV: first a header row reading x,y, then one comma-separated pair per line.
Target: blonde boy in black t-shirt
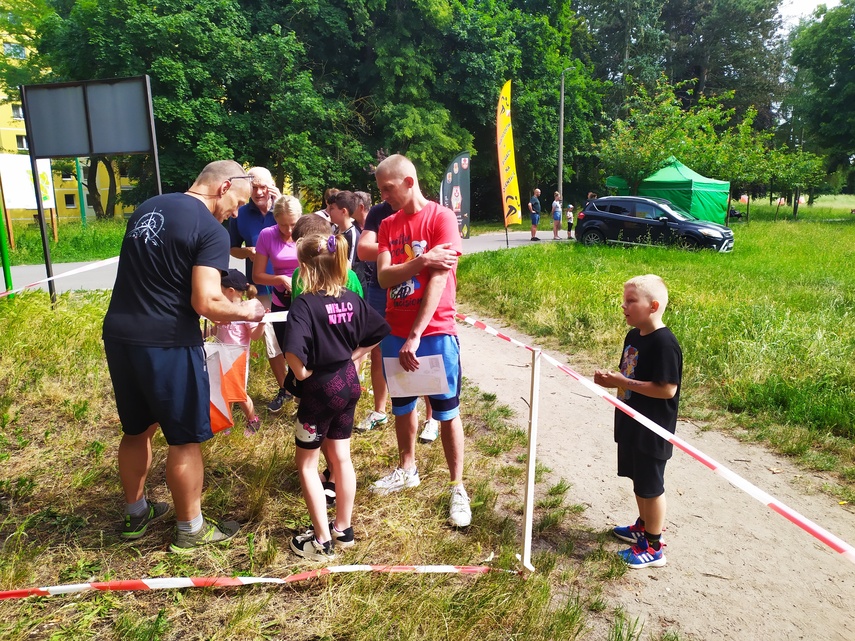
x,y
651,369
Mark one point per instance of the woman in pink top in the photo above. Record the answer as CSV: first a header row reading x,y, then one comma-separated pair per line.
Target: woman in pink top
x,y
275,245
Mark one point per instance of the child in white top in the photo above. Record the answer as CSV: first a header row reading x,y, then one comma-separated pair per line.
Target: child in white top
x,y
235,287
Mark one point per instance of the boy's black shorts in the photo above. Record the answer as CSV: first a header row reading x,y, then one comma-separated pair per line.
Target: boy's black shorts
x,y
647,473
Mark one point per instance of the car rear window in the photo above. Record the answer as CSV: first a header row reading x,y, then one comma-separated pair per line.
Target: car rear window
x,y
618,208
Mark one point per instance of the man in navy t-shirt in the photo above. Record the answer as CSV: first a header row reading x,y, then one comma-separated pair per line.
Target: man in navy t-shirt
x,y
173,254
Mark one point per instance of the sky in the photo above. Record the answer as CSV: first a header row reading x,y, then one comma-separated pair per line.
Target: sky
x,y
792,10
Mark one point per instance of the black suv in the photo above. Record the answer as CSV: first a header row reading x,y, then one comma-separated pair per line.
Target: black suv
x,y
637,220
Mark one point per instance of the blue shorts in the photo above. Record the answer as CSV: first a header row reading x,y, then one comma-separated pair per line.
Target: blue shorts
x,y
535,219
445,406
376,297
556,216
165,385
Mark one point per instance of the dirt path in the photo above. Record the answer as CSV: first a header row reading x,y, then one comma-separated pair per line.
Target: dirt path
x,y
736,570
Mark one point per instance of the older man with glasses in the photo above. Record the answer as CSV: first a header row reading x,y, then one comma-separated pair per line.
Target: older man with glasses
x,y
256,215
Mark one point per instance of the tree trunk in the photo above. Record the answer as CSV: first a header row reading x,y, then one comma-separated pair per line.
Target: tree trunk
x,y
92,187
796,196
112,192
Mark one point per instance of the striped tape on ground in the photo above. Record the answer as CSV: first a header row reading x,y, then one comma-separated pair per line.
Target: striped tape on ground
x,y
835,543
227,581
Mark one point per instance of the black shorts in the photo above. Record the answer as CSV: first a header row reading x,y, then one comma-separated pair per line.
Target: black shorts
x,y
165,385
647,473
327,407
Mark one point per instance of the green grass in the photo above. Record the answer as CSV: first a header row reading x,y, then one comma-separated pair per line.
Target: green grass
x,y
766,331
98,240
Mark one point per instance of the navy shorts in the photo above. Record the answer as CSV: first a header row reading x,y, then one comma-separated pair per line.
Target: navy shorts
x,y
327,407
647,473
165,385
376,297
535,219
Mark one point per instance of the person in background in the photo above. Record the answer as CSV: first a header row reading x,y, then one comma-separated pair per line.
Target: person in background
x,y
376,297
364,199
649,379
276,247
256,215
570,222
556,216
172,257
328,195
534,213
340,208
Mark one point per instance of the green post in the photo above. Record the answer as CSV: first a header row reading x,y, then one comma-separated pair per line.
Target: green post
x,y
4,252
80,199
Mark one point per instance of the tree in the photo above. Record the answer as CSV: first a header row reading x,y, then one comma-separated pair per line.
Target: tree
x,y
726,46
652,131
797,170
823,93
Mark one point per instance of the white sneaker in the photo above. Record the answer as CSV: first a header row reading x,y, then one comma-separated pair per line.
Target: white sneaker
x,y
430,432
460,514
398,480
375,419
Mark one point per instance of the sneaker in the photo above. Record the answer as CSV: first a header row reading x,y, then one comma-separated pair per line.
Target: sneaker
x,y
307,546
430,431
460,514
252,426
375,419
641,555
398,480
535,238
341,539
211,532
135,526
276,404
630,533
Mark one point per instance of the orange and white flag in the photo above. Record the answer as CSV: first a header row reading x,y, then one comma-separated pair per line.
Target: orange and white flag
x,y
227,370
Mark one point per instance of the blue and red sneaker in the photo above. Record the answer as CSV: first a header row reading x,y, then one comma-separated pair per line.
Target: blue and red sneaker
x,y
630,533
641,555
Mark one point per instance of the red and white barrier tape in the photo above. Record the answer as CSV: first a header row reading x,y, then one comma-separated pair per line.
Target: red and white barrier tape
x,y
832,541
79,270
227,581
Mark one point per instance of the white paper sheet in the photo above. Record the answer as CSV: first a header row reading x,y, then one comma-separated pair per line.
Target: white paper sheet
x,y
430,378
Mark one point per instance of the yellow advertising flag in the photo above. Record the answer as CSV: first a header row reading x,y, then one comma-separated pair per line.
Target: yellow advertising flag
x,y
507,161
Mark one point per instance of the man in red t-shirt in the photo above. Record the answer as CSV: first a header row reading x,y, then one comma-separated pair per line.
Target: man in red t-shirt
x,y
417,262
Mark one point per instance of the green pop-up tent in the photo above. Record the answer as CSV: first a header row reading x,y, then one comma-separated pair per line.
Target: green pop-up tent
x,y
704,198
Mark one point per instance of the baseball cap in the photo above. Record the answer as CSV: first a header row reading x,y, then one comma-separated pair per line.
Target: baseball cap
x,y
236,280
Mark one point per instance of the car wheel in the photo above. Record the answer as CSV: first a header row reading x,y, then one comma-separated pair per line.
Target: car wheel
x,y
593,237
687,242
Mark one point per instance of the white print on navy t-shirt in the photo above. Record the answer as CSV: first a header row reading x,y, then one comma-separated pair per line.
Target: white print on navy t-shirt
x,y
148,228
340,312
